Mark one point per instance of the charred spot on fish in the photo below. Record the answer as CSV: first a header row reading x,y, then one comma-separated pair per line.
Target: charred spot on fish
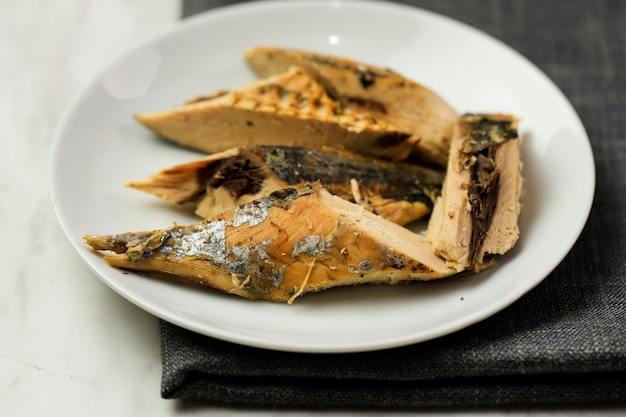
x,y
396,261
391,140
365,266
283,197
483,197
367,79
371,105
240,175
249,123
283,93
484,131
276,89
418,268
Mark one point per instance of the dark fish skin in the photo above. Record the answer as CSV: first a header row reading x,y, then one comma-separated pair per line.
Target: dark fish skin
x,y
485,134
402,192
335,168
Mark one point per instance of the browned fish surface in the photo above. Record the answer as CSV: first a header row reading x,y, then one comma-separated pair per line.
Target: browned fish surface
x,y
290,108
295,241
477,213
383,94
400,192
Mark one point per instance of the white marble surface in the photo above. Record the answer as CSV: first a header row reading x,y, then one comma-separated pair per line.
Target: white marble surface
x,y
68,344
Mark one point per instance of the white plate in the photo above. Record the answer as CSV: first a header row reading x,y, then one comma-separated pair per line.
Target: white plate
x,y
99,146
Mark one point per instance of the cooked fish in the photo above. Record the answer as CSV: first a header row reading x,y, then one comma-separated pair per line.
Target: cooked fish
x,y
381,93
477,213
290,108
400,192
295,241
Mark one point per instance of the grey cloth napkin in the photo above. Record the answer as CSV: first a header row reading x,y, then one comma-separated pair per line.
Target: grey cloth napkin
x,y
562,343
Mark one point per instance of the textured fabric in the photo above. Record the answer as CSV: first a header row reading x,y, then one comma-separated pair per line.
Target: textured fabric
x,y
562,343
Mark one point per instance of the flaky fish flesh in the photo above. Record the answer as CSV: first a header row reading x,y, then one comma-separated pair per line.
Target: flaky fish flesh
x,y
290,108
297,240
384,95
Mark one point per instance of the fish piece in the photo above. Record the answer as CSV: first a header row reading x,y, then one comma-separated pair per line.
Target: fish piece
x,y
290,108
297,240
477,213
400,192
381,93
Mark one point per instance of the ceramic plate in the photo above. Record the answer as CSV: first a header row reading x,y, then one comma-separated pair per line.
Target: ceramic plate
x,y
99,146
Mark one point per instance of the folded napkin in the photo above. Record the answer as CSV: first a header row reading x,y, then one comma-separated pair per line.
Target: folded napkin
x,y
562,343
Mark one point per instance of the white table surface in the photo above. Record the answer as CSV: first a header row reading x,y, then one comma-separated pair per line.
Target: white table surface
x,y
69,345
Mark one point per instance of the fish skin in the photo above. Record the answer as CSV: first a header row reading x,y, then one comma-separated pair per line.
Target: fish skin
x,y
368,89
295,241
400,192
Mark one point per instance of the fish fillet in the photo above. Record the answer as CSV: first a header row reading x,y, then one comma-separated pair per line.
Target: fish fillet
x,y
477,213
296,240
381,93
290,108
400,192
